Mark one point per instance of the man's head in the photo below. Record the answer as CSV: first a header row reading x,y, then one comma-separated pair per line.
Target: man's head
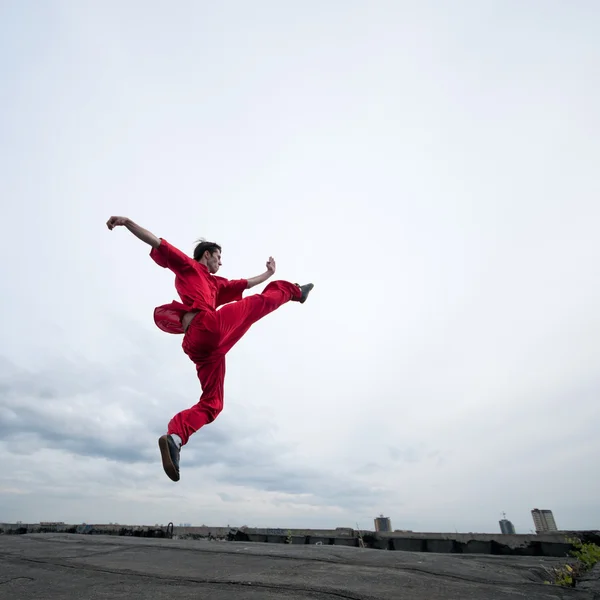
x,y
208,254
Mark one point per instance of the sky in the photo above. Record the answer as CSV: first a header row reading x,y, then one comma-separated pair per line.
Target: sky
x,y
430,166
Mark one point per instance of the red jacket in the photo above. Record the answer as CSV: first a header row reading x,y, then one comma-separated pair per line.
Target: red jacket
x,y
198,289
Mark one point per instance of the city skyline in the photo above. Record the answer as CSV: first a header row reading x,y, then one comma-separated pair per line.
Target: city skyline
x,y
544,522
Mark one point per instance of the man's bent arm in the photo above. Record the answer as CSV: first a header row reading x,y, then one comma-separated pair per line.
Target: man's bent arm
x,y
271,267
139,232
253,281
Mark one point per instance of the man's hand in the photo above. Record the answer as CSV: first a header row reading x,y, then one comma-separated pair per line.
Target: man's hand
x,y
116,222
252,281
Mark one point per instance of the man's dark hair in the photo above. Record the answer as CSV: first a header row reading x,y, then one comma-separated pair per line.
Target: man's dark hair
x,y
202,247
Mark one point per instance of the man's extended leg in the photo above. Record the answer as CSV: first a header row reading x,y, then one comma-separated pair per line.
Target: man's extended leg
x,y
235,319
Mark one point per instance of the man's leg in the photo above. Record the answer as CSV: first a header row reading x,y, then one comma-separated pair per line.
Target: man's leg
x,y
236,318
211,373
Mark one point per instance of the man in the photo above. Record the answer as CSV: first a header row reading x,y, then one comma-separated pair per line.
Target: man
x,y
208,333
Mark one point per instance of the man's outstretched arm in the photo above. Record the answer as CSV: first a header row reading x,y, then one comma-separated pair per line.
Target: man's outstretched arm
x,y
139,232
271,266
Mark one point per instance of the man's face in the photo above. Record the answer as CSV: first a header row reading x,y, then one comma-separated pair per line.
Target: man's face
x,y
214,262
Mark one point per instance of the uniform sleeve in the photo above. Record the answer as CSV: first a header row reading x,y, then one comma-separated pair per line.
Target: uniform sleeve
x,y
229,290
171,258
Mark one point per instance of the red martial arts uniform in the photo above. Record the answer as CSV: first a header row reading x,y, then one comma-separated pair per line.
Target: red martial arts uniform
x,y
211,333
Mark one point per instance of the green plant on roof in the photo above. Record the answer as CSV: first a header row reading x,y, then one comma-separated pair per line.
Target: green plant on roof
x,y
586,555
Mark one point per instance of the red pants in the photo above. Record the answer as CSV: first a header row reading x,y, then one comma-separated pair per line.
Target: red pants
x,y
208,339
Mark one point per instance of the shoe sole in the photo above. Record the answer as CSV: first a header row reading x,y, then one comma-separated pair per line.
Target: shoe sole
x,y
167,463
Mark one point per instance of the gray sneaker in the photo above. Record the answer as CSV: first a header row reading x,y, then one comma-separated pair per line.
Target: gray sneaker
x,y
305,289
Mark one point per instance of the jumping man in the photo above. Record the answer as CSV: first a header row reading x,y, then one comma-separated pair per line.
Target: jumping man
x,y
208,333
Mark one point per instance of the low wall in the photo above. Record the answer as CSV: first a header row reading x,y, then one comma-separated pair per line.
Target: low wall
x,y
550,545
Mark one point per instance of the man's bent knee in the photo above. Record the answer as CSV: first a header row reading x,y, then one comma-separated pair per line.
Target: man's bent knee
x,y
212,412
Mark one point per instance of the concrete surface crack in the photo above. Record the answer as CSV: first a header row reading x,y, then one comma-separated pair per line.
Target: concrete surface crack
x,y
15,579
282,588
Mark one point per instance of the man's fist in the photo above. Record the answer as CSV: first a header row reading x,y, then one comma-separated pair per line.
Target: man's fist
x,y
116,222
271,266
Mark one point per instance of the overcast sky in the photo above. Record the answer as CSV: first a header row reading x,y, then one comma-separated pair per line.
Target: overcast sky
x,y
431,166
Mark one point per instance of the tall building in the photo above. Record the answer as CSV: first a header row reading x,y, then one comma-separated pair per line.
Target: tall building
x,y
383,524
506,527
543,520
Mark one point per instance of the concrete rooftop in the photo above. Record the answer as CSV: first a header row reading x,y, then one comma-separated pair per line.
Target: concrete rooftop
x,y
57,566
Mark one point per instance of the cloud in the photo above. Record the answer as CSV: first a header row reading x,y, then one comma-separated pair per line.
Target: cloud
x,y
100,413
78,409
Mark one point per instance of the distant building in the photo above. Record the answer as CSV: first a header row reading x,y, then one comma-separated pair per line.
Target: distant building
x,y
506,527
383,524
543,520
